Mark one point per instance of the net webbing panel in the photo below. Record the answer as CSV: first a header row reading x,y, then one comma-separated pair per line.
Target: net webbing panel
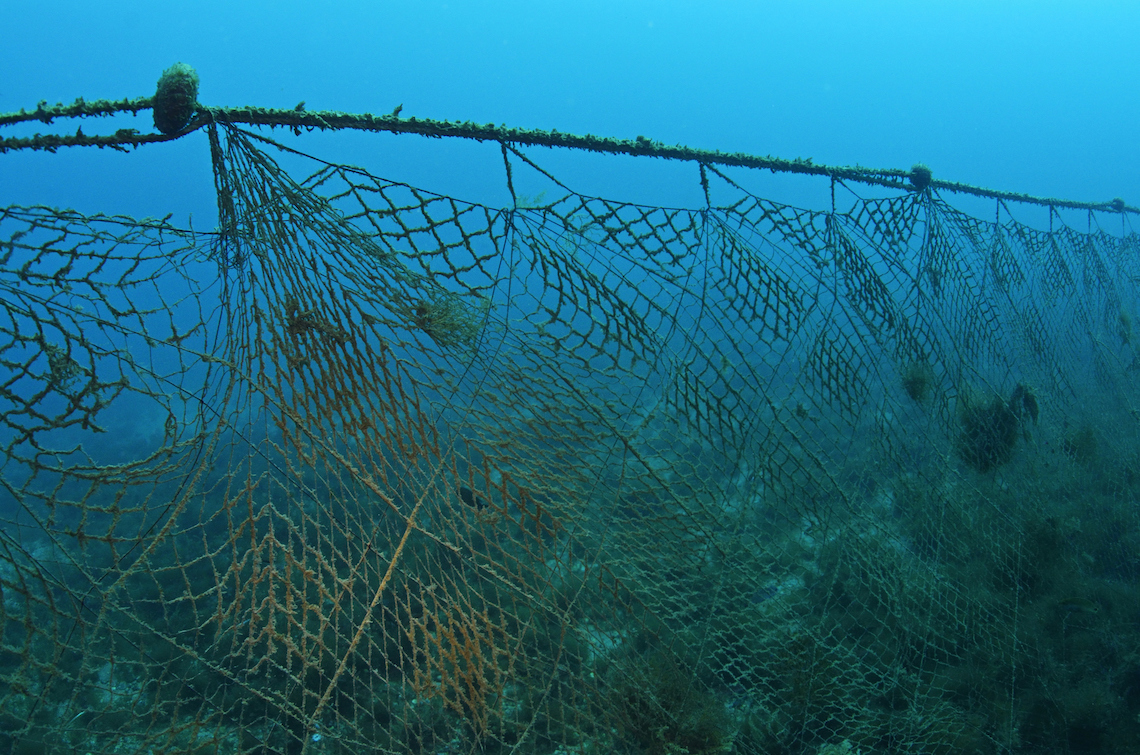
x,y
374,469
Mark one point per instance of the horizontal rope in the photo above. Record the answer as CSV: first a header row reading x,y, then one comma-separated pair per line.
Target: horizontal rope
x,y
298,118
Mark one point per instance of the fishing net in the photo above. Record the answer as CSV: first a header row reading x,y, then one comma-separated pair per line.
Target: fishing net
x,y
374,469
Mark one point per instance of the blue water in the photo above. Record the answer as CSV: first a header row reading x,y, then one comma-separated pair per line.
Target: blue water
x,y
1038,97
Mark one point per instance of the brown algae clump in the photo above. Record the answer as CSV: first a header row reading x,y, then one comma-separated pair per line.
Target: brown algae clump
x,y
176,98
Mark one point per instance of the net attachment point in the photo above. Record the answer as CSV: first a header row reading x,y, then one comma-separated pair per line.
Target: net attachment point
x,y
920,177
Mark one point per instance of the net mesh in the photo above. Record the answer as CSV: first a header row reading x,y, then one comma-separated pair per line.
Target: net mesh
x,y
373,469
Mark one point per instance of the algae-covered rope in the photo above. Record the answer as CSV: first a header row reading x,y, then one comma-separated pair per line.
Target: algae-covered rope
x,y
177,113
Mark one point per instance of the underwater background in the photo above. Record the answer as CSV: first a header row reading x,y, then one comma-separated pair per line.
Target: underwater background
x,y
1021,96
377,442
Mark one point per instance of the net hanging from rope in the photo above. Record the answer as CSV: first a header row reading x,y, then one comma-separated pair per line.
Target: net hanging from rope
x,y
372,468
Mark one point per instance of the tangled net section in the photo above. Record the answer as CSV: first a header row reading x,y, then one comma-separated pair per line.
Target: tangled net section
x,y
374,469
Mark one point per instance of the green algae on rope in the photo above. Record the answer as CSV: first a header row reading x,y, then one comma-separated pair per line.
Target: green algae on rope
x,y
177,113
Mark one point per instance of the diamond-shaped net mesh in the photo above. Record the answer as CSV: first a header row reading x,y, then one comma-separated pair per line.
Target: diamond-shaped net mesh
x,y
372,469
